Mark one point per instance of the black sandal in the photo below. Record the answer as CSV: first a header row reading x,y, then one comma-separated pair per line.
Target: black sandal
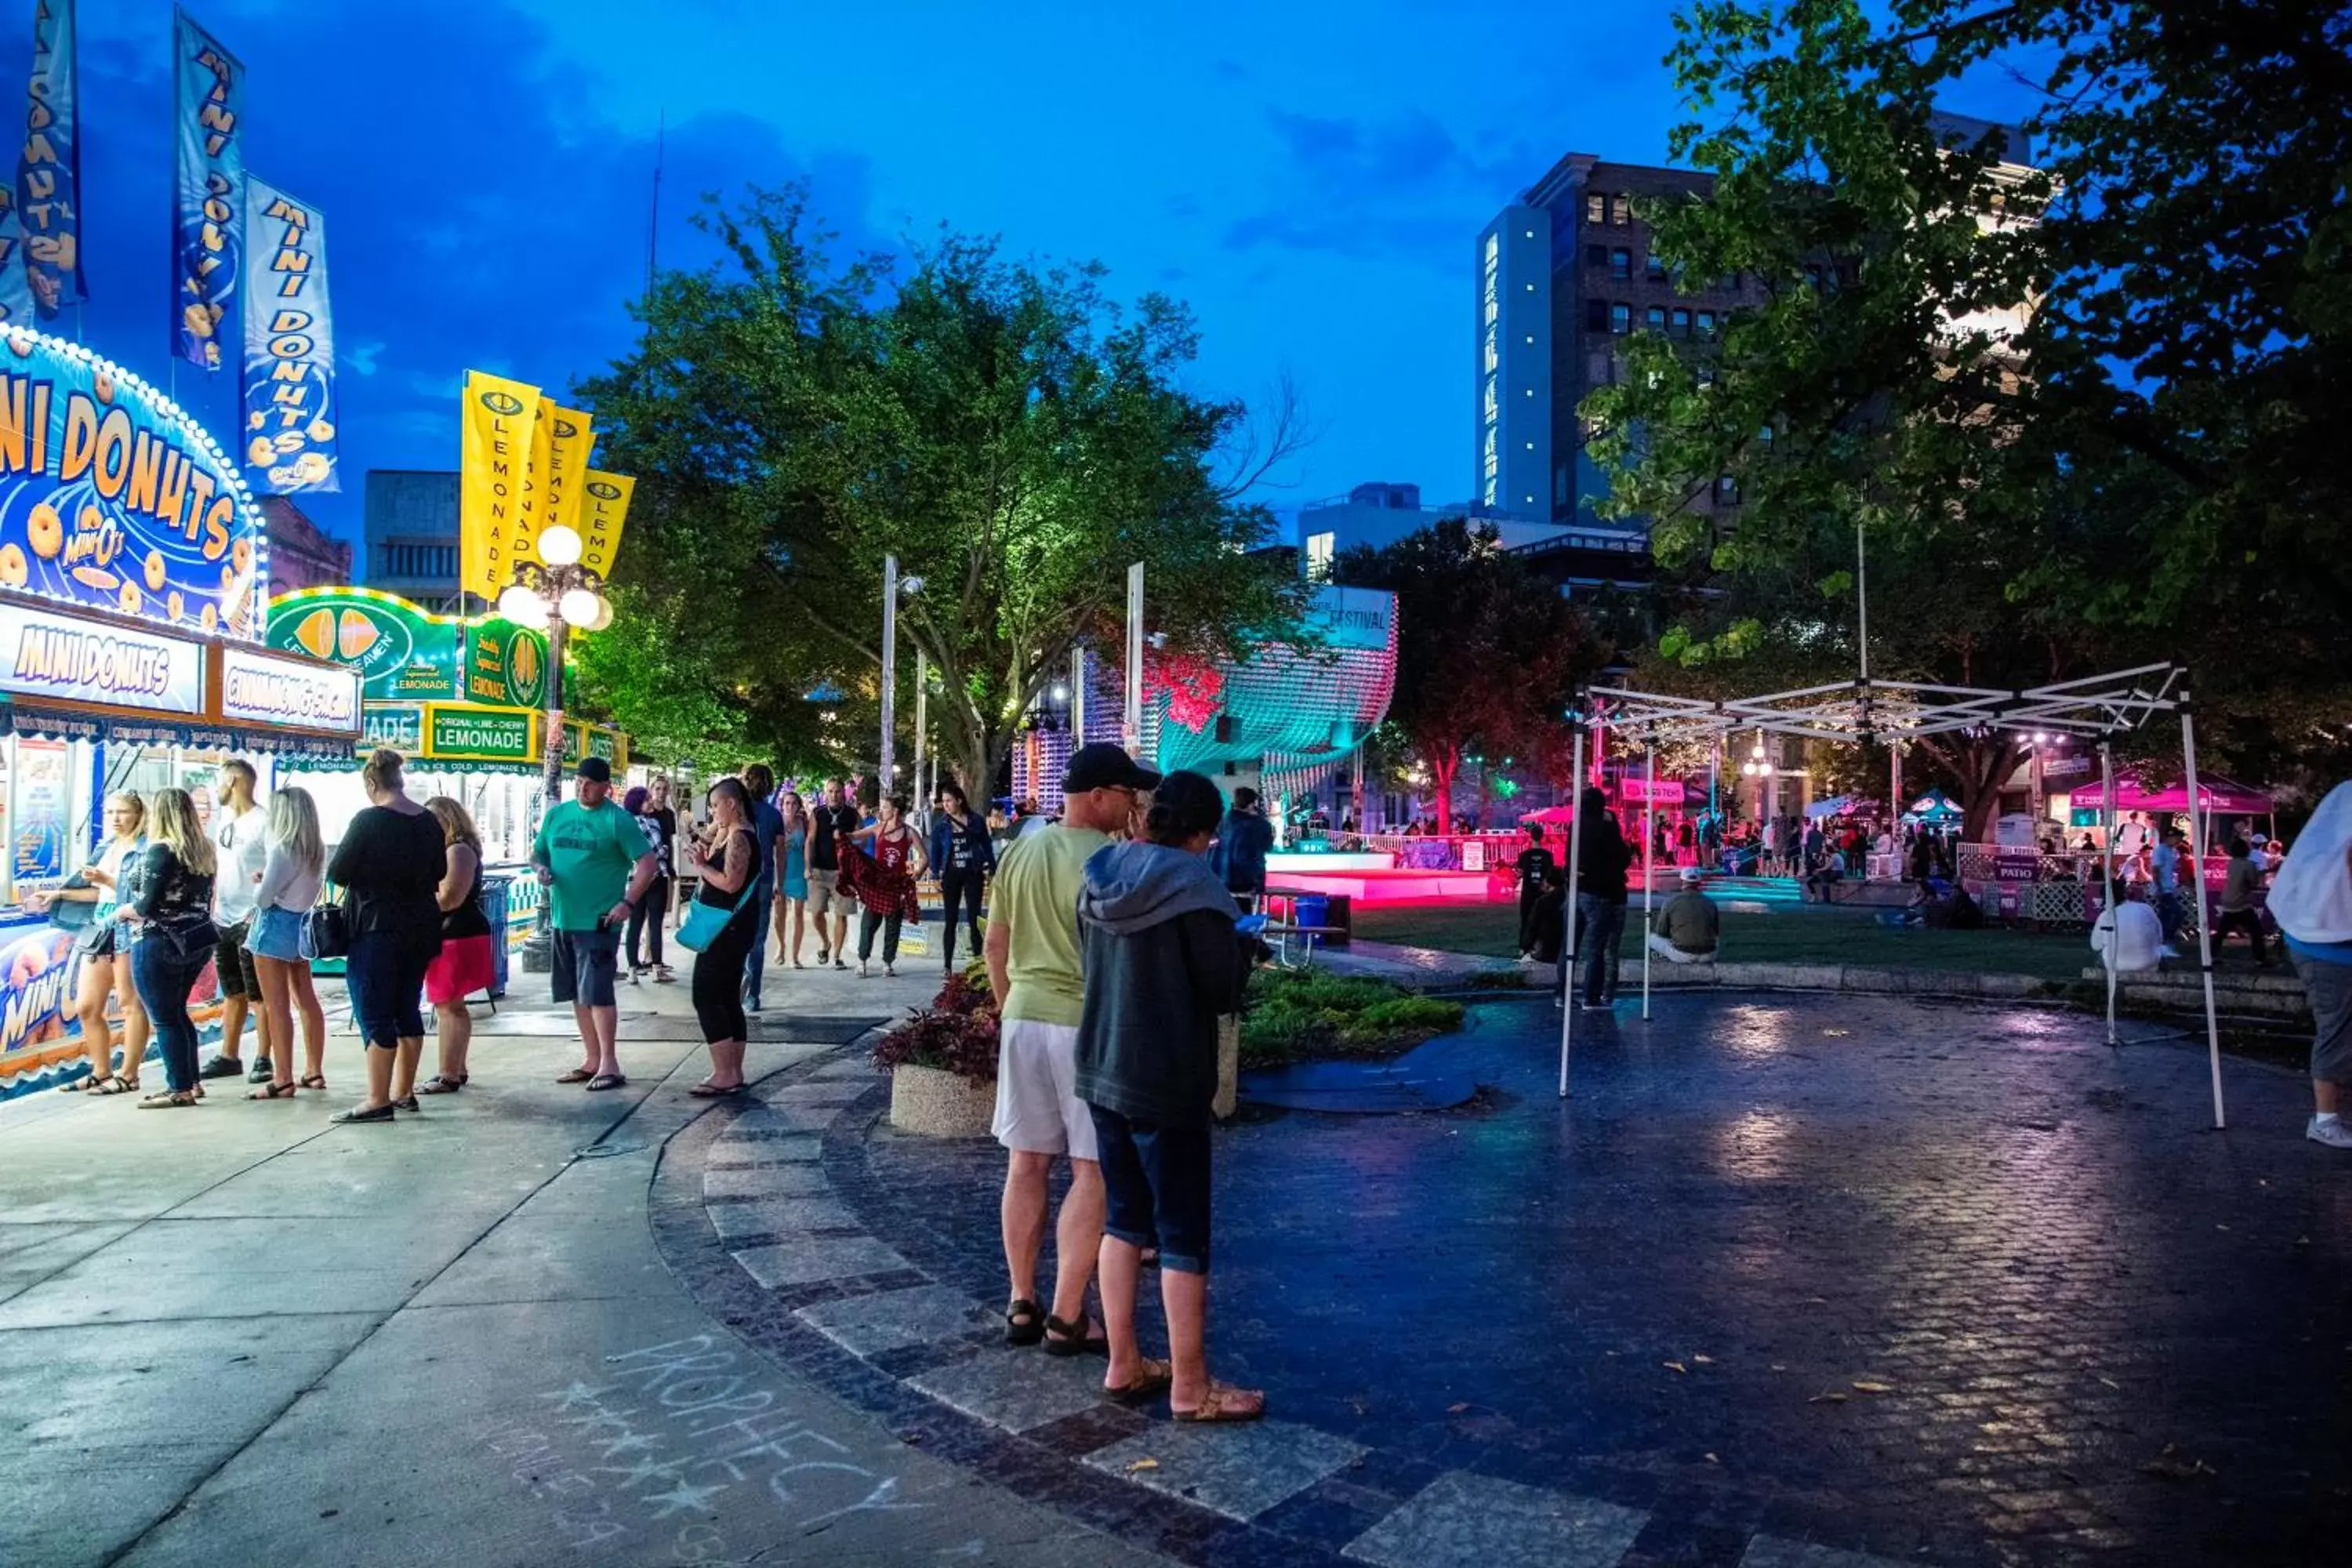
x,y
1150,1381
1024,1322
442,1083
315,1080
274,1091
1070,1339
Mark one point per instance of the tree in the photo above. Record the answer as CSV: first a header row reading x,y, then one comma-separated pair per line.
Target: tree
x,y
1012,436
2041,394
1487,653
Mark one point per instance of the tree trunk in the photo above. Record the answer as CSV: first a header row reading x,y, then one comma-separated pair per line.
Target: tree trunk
x,y
1443,766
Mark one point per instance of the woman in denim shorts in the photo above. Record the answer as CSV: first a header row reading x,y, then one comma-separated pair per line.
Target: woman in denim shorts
x,y
290,885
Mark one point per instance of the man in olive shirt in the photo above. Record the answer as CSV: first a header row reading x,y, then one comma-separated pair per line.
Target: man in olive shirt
x,y
1686,926
1035,969
595,864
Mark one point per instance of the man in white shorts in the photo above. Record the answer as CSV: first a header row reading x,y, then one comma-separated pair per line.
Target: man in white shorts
x,y
1033,968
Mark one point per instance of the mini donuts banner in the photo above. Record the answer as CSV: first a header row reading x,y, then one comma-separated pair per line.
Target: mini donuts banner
x,y
111,498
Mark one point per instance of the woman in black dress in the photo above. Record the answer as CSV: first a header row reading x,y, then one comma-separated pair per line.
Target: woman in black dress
x,y
728,861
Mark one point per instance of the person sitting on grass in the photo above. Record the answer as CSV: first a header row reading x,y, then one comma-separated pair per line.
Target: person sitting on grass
x,y
1687,927
1820,882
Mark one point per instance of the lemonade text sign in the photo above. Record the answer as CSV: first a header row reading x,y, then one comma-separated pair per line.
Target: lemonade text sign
x,y
109,502
499,421
506,665
398,650
604,507
481,735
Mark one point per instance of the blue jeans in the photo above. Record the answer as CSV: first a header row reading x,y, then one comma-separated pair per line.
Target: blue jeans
x,y
755,963
1599,926
2169,916
164,977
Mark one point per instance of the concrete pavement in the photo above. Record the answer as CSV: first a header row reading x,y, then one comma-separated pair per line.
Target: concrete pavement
x,y
238,1335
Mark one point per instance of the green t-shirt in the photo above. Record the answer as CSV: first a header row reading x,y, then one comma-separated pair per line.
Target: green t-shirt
x,y
591,854
1036,893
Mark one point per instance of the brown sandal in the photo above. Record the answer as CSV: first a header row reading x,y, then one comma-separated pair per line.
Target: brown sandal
x,y
1150,1381
577,1075
1226,1404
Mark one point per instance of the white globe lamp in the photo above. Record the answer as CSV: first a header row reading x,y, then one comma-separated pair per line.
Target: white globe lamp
x,y
559,545
579,606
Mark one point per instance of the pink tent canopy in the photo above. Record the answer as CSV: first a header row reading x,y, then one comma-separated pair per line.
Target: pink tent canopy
x,y
2213,794
1552,814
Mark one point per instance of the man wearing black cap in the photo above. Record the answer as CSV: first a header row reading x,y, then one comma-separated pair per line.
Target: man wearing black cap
x,y
1035,969
595,864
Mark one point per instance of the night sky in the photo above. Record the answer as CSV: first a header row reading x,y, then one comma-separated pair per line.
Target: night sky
x,y
1310,177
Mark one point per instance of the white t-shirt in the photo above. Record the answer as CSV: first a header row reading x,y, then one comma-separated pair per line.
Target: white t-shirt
x,y
245,850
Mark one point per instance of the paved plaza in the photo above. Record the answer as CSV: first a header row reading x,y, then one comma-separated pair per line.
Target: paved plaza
x,y
1819,1280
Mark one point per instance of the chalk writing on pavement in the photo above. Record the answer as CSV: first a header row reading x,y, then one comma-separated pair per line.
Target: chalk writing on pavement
x,y
670,1446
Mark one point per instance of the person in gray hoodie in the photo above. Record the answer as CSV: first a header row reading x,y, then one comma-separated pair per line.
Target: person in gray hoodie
x,y
1163,962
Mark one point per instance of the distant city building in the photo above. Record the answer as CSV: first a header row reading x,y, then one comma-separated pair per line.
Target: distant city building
x,y
300,555
412,535
1563,275
1376,515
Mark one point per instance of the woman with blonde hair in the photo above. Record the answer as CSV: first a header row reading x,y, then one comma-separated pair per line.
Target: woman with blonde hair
x,y
289,885
105,956
167,905
463,965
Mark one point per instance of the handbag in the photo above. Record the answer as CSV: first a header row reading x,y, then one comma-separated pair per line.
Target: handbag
x,y
703,922
326,933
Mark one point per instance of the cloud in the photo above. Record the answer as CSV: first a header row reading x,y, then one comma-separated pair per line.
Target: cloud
x,y
358,359
1402,186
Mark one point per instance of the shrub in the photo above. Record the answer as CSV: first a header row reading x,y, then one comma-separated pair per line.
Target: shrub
x,y
957,1033
1293,1016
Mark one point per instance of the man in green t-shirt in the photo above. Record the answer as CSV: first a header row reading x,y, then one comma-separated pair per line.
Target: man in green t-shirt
x,y
595,864
1033,967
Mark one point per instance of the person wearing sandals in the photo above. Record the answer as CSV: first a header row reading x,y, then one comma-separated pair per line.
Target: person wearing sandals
x,y
167,903
791,880
463,966
647,920
289,885
389,864
718,967
596,866
882,879
105,955
759,783
1163,962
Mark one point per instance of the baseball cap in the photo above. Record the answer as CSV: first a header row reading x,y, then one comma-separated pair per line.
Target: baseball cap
x,y
1101,766
1692,874
595,769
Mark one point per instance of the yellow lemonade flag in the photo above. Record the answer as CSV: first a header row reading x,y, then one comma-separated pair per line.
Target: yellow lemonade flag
x,y
571,436
497,419
530,508
603,508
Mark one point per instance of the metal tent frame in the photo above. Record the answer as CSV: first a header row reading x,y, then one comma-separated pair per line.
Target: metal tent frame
x,y
1860,711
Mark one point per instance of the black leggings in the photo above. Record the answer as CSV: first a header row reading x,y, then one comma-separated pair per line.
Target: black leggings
x,y
719,978
867,919
959,886
647,917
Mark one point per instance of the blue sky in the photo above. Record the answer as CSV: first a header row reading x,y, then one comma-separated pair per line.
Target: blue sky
x,y
1310,177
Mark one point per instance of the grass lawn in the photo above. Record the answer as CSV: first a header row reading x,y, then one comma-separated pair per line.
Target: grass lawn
x,y
1770,935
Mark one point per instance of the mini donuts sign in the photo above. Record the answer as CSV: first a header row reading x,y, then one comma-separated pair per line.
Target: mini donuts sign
x,y
111,498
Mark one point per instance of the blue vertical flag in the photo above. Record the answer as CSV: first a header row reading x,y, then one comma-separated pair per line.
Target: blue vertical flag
x,y
208,208
16,288
48,174
290,347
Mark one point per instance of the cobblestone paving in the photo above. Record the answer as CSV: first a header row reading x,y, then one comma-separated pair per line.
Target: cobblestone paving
x,y
1827,1281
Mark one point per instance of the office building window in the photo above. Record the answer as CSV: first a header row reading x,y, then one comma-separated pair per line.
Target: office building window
x,y
1654,318
1594,209
1621,319
1621,264
1727,490
1680,320
1621,212
1320,547
1707,324
1653,269
1596,315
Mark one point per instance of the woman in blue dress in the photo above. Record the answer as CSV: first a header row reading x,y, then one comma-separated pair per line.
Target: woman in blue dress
x,y
792,887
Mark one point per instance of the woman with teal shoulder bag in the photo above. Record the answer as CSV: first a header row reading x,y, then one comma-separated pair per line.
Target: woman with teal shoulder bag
x,y
720,927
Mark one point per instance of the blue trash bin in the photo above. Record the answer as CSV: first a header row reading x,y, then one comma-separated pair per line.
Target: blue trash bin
x,y
1312,910
494,910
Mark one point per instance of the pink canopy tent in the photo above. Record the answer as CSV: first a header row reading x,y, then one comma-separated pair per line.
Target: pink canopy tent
x,y
2213,794
1557,814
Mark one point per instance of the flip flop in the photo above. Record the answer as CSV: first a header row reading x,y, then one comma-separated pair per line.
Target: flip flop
x,y
1150,1381
168,1101
713,1092
1224,1404
442,1083
577,1075
604,1080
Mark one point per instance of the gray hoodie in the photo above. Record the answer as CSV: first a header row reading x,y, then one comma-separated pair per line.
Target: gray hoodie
x,y
1162,959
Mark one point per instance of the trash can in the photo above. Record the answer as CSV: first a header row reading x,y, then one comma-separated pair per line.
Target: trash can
x,y
1311,910
1341,916
494,910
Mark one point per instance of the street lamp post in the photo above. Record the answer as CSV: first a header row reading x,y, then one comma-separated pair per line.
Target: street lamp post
x,y
557,594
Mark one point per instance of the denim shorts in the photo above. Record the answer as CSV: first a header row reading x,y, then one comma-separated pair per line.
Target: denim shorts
x,y
1156,1187
277,934
585,965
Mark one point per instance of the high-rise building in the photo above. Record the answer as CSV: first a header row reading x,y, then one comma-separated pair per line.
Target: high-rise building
x,y
1565,274
412,535
300,555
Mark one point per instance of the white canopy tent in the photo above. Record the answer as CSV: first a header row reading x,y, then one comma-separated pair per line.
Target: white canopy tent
x,y
1861,711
